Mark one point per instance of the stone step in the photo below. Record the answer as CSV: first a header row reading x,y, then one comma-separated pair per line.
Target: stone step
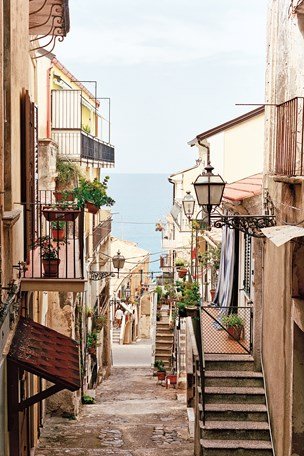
x,y
236,448
165,335
229,362
235,430
235,412
227,394
234,378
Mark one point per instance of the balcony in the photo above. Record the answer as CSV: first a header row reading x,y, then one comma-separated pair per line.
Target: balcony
x,y
290,138
55,258
101,231
70,111
80,146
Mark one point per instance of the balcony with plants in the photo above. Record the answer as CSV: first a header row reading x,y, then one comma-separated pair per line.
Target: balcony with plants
x,y
55,253
78,140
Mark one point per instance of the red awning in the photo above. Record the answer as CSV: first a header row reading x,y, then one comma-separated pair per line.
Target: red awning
x,y
46,353
244,188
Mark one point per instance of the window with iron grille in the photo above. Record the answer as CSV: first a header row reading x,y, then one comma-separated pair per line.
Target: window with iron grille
x,y
247,264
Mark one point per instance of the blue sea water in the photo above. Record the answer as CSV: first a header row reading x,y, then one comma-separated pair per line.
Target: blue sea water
x,y
141,200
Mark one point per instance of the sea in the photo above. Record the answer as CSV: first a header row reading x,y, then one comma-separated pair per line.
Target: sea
x,y
141,200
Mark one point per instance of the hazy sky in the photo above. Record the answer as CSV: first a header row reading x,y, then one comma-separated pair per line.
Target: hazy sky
x,y
173,68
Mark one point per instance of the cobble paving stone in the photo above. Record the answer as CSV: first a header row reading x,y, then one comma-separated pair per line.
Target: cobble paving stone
x,y
132,416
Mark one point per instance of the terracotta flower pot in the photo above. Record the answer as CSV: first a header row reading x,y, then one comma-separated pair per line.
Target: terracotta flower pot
x,y
55,215
59,196
212,294
235,332
58,235
171,379
161,375
91,207
51,267
182,272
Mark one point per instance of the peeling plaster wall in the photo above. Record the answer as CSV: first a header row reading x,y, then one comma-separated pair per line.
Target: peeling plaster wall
x,y
284,81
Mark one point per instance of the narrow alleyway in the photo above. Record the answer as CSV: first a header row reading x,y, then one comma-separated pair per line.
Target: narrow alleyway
x,y
133,416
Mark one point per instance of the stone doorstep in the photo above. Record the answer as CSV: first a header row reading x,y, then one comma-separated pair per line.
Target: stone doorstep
x,y
234,390
233,407
233,374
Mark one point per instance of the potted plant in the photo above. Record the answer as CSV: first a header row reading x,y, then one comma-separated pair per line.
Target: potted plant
x,y
234,325
161,371
49,255
100,322
92,343
181,267
190,299
171,379
68,174
58,230
93,194
210,259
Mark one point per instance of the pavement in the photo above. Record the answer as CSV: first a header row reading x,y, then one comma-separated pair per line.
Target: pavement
x,y
136,354
133,415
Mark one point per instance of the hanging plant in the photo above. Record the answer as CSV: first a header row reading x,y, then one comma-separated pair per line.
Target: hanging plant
x,y
93,194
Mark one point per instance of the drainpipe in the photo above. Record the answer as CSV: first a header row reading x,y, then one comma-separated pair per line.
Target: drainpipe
x,y
48,103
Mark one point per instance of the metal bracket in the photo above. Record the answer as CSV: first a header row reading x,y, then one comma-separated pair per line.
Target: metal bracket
x,y
99,275
249,224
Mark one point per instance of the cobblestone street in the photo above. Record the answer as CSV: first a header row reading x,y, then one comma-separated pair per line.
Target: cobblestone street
x,y
133,416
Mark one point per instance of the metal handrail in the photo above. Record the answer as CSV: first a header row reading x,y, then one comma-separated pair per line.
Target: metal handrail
x,y
202,366
207,310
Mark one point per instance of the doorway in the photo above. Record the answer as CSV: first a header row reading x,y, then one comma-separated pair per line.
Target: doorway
x,y
298,393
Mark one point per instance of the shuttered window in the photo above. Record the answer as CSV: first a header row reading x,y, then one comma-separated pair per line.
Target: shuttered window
x,y
247,264
29,168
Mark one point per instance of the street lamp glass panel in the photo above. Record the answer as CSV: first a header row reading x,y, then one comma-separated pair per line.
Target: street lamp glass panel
x,y
209,189
188,205
118,260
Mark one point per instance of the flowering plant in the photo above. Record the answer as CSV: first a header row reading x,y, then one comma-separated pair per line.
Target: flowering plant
x,y
47,250
94,192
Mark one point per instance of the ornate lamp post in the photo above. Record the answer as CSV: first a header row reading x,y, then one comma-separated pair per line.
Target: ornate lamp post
x,y
188,205
118,261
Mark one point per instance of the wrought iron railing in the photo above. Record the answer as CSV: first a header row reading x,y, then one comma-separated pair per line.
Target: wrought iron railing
x,y
57,241
101,231
221,339
290,138
76,144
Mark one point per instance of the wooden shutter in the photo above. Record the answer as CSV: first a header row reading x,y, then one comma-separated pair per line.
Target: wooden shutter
x,y
28,170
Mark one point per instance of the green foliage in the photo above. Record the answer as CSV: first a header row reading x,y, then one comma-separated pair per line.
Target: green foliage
x,y
68,173
190,294
86,128
159,292
180,262
58,225
47,250
86,399
94,192
211,258
100,322
159,365
91,339
232,320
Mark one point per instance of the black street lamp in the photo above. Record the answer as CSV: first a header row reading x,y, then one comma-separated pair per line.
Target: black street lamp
x,y
118,261
209,189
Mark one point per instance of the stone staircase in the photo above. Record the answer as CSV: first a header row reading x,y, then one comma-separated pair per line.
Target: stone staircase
x,y
164,342
236,420
115,335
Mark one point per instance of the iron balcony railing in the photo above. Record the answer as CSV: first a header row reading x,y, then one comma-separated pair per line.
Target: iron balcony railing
x,y
76,144
57,240
100,232
289,141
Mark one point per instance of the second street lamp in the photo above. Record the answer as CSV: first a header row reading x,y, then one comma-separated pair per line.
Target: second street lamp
x,y
188,205
118,261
